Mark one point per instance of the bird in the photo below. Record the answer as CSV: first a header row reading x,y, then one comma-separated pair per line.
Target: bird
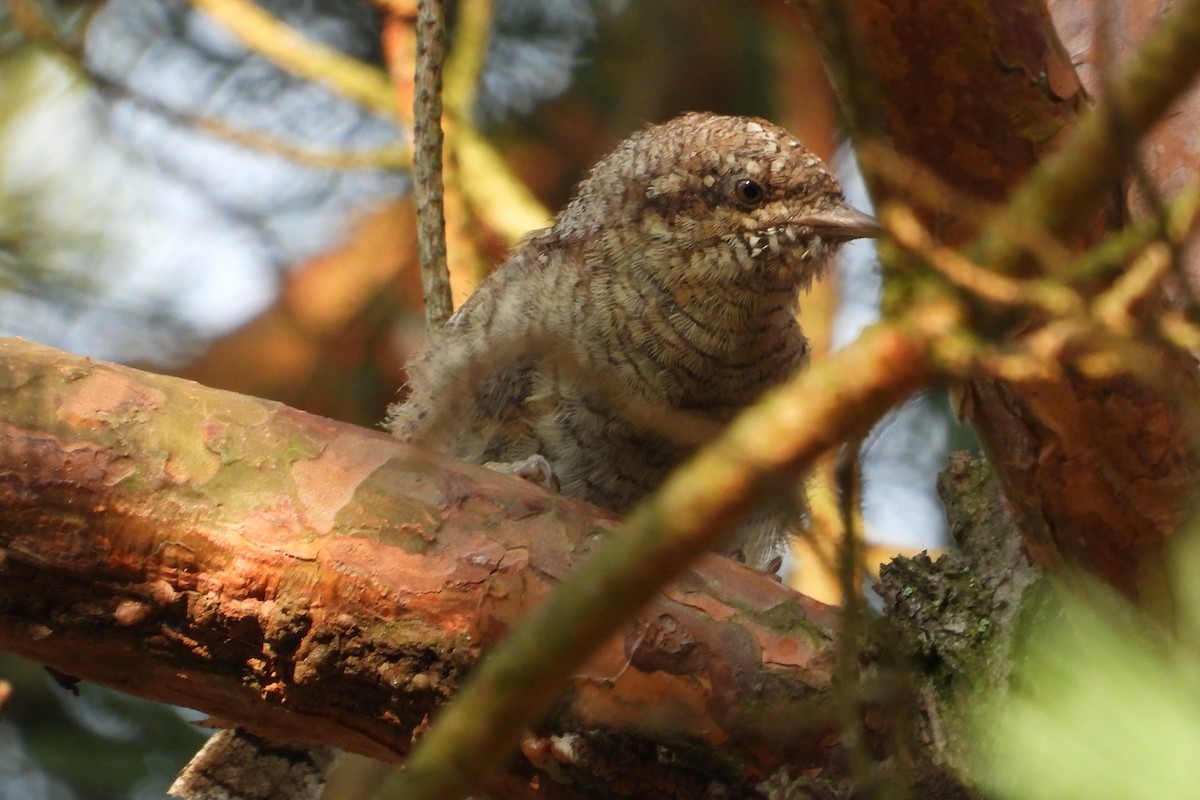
x,y
611,345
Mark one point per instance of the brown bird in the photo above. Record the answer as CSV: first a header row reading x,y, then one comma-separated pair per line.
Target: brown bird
x,y
659,304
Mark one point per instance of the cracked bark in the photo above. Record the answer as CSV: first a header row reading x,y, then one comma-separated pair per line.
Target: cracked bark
x,y
316,582
1096,470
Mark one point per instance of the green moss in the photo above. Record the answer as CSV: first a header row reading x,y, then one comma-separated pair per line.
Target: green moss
x,y
386,495
791,617
942,612
960,617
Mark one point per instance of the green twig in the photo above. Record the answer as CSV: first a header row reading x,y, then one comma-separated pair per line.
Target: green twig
x,y
847,681
1070,182
285,46
28,18
693,512
466,61
1175,225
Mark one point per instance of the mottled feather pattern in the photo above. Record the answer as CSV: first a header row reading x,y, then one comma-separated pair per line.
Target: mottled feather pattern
x,y
658,305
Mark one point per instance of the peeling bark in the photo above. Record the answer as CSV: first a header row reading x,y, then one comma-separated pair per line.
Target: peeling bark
x,y
320,583
976,90
1100,49
1096,470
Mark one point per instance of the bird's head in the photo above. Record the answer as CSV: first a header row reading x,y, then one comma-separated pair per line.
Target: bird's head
x,y
740,197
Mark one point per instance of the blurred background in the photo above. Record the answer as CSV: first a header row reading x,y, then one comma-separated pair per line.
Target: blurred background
x,y
174,199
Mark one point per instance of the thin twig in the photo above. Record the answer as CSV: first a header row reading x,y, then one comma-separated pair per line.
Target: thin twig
x,y
691,513
427,162
1114,307
847,680
1069,183
906,231
465,63
924,188
282,44
1179,331
1072,321
1182,213
27,17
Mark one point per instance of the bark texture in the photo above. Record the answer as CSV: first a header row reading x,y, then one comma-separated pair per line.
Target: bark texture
x,y
317,582
1096,470
1100,38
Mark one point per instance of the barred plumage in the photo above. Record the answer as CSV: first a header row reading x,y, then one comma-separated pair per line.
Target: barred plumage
x,y
659,304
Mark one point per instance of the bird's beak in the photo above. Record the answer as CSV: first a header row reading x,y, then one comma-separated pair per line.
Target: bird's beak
x,y
840,222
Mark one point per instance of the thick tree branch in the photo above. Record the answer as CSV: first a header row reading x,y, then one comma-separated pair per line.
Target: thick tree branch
x,y
693,511
1098,151
1096,469
316,582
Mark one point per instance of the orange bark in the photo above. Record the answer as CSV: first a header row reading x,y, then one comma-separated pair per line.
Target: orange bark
x,y
1096,471
316,582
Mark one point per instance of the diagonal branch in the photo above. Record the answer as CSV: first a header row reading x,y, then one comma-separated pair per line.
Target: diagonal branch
x,y
693,511
267,35
316,582
1095,155
1096,469
518,682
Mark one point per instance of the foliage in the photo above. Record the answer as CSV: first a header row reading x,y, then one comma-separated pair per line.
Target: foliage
x,y
1104,705
85,742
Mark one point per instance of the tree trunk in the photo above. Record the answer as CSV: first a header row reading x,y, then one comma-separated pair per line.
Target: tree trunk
x,y
978,93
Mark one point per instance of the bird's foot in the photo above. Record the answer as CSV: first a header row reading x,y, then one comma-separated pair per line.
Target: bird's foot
x,y
773,566
535,469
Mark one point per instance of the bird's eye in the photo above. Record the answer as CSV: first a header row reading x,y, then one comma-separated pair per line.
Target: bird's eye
x,y
749,192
